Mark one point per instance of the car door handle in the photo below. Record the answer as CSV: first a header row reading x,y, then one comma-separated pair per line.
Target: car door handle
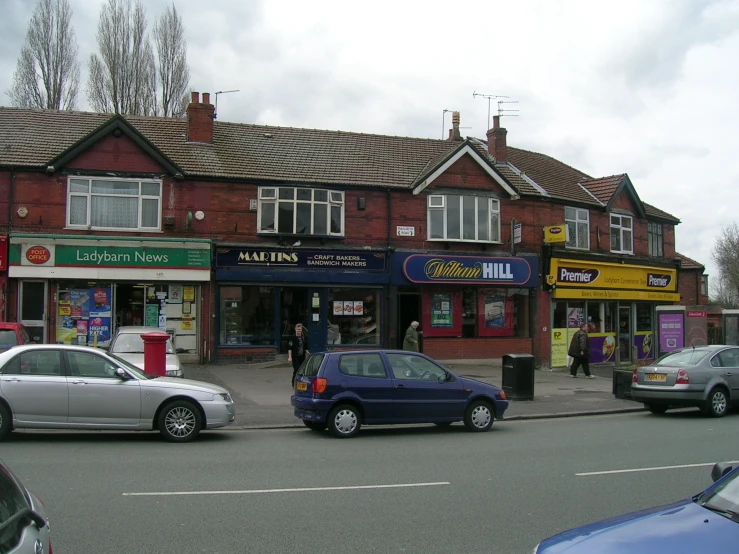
x,y
728,373
399,386
13,380
79,382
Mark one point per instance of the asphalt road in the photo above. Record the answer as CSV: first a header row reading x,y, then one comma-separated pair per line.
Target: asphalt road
x,y
405,490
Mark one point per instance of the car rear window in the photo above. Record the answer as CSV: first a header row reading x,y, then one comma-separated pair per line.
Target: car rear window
x,y
683,357
362,365
310,366
8,338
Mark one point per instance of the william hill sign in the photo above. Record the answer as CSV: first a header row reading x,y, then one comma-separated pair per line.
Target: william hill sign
x,y
521,271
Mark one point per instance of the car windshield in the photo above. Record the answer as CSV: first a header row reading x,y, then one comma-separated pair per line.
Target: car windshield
x,y
132,368
8,338
13,500
132,343
691,356
725,498
310,367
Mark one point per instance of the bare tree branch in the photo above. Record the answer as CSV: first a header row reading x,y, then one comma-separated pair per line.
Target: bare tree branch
x,y
174,74
47,74
123,78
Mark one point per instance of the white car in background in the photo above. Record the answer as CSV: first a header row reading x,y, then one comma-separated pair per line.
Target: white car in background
x,y
128,344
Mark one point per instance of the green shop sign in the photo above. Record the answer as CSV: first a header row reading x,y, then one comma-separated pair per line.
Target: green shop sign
x,y
120,256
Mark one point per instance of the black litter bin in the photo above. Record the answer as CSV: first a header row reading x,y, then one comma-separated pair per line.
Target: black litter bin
x,y
622,383
518,376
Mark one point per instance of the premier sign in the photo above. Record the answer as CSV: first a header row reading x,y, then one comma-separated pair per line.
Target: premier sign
x,y
575,275
611,276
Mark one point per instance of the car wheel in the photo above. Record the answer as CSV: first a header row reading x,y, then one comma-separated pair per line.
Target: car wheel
x,y
656,408
314,425
180,421
344,421
717,403
479,416
5,421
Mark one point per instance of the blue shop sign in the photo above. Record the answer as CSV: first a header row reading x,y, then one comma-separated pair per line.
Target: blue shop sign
x,y
478,270
301,259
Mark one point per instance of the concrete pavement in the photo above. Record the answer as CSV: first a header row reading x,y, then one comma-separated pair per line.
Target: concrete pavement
x,y
262,391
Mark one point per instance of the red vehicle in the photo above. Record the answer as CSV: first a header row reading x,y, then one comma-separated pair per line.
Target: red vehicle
x,y
12,334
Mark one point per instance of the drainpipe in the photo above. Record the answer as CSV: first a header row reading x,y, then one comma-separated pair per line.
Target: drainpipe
x,y
10,199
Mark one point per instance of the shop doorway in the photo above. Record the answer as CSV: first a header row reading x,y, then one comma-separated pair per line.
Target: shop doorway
x,y
624,334
129,304
294,309
409,309
33,309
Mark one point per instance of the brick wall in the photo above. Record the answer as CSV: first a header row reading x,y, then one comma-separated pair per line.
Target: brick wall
x,y
116,154
245,355
475,349
689,288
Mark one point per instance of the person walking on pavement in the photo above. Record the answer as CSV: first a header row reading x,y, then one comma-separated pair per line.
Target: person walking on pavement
x,y
410,342
580,352
298,349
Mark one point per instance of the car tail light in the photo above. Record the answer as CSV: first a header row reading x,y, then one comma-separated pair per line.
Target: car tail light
x,y
51,550
319,385
682,377
635,376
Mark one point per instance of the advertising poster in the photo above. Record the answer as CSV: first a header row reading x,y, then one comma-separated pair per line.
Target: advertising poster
x,y
574,318
175,294
670,332
100,300
151,317
644,342
99,326
338,307
358,307
79,300
188,293
82,329
441,310
602,347
186,324
559,347
98,330
495,313
65,331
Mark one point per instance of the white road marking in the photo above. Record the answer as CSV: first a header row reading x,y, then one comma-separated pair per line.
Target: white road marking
x,y
306,489
636,470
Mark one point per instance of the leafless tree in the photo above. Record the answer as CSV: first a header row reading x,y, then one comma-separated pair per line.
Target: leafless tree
x,y
48,73
174,74
723,294
726,256
123,78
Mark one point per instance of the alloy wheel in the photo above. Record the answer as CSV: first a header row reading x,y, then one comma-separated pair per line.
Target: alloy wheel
x,y
180,422
718,401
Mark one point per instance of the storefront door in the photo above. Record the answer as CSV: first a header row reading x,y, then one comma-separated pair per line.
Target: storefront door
x,y
624,333
33,309
294,306
409,309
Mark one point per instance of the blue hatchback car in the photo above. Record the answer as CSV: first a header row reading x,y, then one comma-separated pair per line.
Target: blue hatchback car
x,y
707,522
345,390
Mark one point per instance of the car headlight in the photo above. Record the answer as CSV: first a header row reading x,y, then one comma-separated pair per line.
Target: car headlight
x,y
225,396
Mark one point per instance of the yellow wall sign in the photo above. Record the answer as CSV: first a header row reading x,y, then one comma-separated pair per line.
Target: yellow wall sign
x,y
186,324
592,275
555,233
595,294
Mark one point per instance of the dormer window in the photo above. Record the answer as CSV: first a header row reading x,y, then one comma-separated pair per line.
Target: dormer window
x,y
622,233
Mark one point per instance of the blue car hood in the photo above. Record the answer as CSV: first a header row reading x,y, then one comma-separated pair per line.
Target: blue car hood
x,y
676,528
476,385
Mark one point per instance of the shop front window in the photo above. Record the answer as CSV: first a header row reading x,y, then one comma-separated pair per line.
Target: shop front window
x,y
644,335
354,316
247,315
84,313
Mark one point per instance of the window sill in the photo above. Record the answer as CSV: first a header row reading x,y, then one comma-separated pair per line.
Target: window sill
x,y
112,229
567,247
622,252
462,241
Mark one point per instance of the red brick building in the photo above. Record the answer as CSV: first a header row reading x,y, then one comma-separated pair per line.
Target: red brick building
x,y
227,235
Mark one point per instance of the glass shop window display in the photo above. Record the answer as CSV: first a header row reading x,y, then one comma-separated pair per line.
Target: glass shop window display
x,y
353,316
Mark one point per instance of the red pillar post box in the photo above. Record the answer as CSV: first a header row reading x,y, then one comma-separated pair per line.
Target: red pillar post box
x,y
155,353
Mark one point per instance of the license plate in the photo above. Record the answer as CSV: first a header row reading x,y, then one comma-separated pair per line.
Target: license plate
x,y
302,386
656,377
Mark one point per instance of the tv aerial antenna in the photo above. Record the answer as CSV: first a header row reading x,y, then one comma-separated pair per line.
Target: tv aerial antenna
x,y
507,113
222,92
489,97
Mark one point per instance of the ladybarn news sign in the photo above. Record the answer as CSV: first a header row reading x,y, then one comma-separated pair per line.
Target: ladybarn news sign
x,y
518,271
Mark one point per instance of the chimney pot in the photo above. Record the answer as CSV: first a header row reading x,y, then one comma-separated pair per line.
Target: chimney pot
x,y
195,97
200,119
206,98
454,131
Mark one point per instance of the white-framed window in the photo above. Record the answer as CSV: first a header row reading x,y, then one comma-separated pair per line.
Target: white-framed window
x,y
704,285
654,239
622,234
300,211
463,218
578,228
111,203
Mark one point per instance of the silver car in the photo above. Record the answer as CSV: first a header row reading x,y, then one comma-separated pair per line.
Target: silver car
x,y
24,528
128,344
58,386
705,376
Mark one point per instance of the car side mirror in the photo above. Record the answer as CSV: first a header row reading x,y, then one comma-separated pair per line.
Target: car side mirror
x,y
720,469
121,373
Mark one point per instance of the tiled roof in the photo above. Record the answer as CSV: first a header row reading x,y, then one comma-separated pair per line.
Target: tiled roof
x,y
603,188
688,263
656,212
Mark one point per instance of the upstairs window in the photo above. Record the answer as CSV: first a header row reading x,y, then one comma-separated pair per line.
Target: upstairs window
x,y
578,228
621,234
654,239
704,285
119,204
301,211
463,218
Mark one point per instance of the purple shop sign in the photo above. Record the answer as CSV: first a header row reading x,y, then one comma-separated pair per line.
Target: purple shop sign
x,y
671,333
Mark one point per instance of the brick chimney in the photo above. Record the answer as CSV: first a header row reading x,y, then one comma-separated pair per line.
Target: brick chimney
x,y
200,116
454,133
497,141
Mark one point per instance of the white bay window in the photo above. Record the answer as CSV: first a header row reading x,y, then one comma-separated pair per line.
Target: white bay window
x,y
120,204
463,218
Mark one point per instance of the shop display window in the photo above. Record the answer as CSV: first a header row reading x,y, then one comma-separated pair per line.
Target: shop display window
x,y
644,317
247,315
354,316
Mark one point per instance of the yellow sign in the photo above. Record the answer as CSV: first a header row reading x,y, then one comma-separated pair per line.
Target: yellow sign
x,y
187,324
593,275
559,348
65,310
188,293
593,294
555,233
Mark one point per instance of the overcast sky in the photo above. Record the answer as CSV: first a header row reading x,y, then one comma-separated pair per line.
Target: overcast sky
x,y
647,88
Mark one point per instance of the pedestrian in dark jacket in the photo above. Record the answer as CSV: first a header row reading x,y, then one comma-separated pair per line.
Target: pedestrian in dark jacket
x,y
580,352
298,349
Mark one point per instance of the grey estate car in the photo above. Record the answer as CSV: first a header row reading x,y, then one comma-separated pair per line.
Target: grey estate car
x,y
24,528
706,377
57,386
